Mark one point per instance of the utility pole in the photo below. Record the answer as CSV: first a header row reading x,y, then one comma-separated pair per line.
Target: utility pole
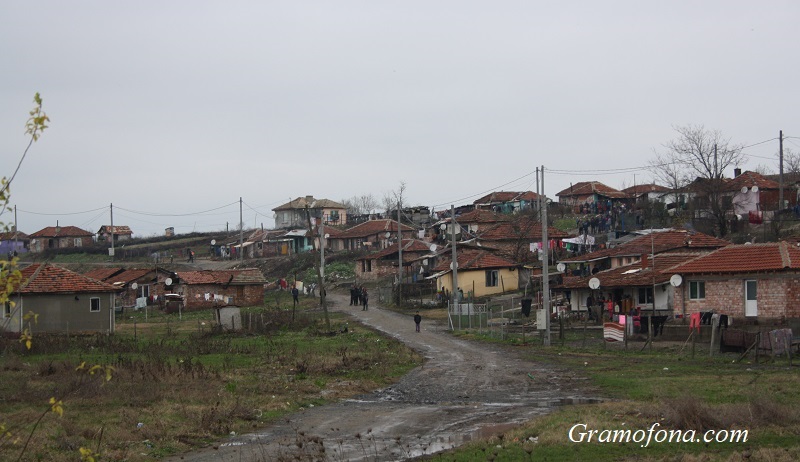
x,y
716,171
320,278
241,232
112,232
780,167
455,255
545,268
399,256
538,196
321,248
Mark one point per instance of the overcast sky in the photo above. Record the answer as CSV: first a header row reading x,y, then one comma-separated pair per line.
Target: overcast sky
x,y
168,109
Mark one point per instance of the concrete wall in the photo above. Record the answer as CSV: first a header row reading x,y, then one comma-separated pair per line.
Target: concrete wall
x,y
194,295
476,279
64,314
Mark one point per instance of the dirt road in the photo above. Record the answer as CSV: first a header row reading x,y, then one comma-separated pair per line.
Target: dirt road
x,y
463,391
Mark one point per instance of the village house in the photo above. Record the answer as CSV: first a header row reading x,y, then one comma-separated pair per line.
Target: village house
x,y
470,224
13,243
60,237
642,286
480,273
508,201
121,233
209,289
293,213
647,242
592,194
753,193
148,286
752,282
63,300
384,263
371,235
520,239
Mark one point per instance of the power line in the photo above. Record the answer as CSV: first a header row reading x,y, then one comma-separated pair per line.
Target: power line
x,y
485,192
59,214
152,214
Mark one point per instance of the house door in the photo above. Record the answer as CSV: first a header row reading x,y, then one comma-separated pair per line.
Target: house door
x,y
750,303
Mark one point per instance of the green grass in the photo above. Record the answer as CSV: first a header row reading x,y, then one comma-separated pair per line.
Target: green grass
x,y
186,386
664,386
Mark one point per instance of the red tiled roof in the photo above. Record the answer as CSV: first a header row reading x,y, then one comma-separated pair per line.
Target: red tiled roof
x,y
634,274
585,188
476,260
101,274
520,229
64,231
747,258
481,216
507,196
372,227
640,189
49,279
409,245
9,236
660,242
130,275
235,277
749,179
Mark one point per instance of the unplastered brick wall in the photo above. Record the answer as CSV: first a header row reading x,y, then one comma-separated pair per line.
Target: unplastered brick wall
x,y
778,296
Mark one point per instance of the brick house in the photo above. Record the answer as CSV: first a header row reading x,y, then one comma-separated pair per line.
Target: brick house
x,y
65,302
752,281
588,193
370,235
133,283
209,289
513,239
60,237
121,233
384,263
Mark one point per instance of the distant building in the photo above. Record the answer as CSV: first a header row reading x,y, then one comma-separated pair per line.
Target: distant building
x,y
293,213
121,233
60,237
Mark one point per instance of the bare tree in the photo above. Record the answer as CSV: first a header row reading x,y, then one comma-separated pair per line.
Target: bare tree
x,y
697,158
360,205
791,161
392,198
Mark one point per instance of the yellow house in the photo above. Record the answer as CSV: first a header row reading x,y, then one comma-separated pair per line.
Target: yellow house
x,y
479,272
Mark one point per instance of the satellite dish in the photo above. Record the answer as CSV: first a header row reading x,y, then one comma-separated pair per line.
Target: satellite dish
x,y
561,267
168,281
274,215
454,265
134,286
213,242
754,189
675,280
327,235
744,189
594,283
425,262
443,226
388,234
434,247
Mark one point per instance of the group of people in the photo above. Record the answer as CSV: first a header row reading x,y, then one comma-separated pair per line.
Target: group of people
x,y
359,297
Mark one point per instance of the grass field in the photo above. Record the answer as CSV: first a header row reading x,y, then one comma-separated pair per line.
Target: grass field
x,y
663,389
179,384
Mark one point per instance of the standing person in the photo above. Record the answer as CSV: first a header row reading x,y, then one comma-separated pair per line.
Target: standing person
x,y
417,320
353,297
364,299
295,295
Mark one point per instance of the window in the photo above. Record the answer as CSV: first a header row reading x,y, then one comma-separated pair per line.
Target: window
x,y
7,310
697,290
143,291
78,242
366,266
94,304
491,278
645,295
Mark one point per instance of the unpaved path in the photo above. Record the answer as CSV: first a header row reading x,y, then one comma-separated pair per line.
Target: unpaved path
x,y
464,391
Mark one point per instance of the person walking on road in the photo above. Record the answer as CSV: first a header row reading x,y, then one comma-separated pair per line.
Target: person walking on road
x,y
417,320
295,296
365,299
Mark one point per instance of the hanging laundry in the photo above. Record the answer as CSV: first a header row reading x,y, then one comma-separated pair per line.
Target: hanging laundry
x,y
694,321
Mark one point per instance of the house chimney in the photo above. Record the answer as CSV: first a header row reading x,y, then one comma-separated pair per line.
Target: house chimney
x,y
645,260
736,172
309,199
